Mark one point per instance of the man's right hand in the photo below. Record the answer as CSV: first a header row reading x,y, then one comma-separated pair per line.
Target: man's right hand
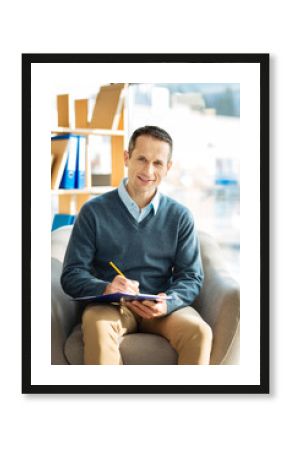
x,y
121,284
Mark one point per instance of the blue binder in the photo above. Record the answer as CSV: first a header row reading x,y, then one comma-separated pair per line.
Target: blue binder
x,y
118,297
69,174
81,163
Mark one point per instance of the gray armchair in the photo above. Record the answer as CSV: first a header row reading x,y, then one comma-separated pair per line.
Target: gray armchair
x,y
218,304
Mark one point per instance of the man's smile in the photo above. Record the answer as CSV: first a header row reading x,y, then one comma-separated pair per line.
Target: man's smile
x,y
144,179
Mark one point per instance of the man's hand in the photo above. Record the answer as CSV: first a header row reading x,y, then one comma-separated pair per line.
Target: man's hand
x,y
121,284
148,309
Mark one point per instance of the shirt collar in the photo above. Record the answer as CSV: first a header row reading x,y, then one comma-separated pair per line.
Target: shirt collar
x,y
127,200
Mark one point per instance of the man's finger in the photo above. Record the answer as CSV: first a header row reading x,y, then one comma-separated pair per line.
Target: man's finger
x,y
133,285
146,309
137,310
149,303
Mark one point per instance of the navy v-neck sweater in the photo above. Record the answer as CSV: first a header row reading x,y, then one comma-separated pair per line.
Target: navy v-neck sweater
x,y
161,252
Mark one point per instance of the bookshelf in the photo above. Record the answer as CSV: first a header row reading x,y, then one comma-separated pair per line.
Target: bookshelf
x,y
108,119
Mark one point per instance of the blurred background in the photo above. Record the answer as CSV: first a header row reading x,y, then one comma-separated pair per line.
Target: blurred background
x,y
204,122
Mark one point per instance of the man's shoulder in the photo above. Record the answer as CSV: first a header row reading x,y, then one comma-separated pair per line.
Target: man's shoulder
x,y
100,202
173,205
103,199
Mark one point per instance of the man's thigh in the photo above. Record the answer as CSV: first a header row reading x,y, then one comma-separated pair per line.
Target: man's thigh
x,y
121,319
175,323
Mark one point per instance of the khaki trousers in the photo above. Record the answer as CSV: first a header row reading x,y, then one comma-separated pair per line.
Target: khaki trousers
x,y
103,325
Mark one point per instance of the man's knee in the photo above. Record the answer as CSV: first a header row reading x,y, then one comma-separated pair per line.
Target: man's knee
x,y
205,332
198,330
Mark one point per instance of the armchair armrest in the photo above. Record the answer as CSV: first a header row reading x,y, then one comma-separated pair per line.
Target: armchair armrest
x,y
219,304
64,315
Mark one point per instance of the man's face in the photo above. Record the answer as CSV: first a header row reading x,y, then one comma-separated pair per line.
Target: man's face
x,y
148,164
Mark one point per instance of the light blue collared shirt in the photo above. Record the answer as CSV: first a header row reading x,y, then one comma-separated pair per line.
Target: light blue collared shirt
x,y
133,208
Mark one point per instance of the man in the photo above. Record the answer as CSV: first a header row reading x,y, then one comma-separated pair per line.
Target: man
x,y
152,239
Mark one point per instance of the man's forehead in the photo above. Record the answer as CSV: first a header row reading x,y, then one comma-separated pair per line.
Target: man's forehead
x,y
152,153
147,143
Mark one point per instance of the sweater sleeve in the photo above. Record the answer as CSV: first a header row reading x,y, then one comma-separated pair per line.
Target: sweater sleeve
x,y
187,275
77,277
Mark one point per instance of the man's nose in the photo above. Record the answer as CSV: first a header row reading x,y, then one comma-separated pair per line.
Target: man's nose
x,y
149,169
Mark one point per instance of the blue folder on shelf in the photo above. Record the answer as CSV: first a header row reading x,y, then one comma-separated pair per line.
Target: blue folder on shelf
x,y
81,163
69,174
117,297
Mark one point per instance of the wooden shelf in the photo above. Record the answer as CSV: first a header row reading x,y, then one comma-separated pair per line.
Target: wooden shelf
x,y
87,131
108,119
94,190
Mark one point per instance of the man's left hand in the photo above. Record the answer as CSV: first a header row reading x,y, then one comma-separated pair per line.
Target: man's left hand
x,y
148,309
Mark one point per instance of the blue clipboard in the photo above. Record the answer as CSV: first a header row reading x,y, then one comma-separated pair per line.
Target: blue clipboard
x,y
117,298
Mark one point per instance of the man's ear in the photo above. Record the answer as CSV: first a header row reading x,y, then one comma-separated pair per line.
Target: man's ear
x,y
126,157
169,165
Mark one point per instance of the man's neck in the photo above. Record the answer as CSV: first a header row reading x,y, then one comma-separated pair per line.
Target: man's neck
x,y
141,200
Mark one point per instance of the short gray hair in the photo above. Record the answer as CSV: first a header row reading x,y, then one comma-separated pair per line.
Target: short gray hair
x,y
155,133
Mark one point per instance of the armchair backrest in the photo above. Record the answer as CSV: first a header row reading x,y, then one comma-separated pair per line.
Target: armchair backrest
x,y
59,241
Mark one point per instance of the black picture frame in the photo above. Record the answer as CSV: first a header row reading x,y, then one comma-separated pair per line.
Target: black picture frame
x,y
263,61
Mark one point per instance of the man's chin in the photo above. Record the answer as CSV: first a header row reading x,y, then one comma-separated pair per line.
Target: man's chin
x,y
150,187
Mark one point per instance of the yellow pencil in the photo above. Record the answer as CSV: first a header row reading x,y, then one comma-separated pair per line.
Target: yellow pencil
x,y
116,269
